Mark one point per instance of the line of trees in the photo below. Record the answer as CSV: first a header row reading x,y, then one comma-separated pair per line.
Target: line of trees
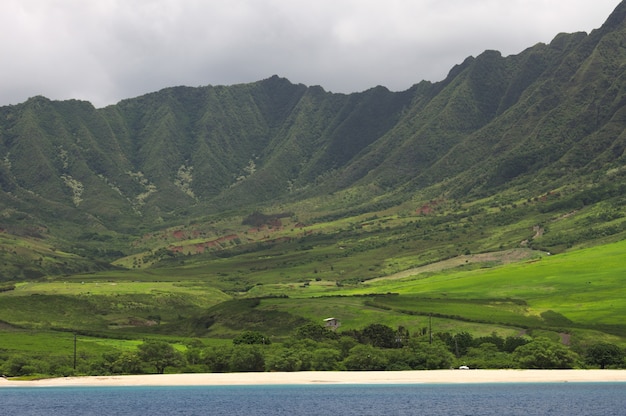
x,y
376,347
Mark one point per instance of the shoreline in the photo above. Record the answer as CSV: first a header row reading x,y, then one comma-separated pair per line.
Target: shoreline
x,y
330,377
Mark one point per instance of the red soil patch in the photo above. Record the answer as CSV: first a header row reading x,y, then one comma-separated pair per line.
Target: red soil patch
x,y
428,208
176,249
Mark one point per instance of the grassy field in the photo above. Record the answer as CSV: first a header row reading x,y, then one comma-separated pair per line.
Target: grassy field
x,y
468,267
103,306
62,343
578,292
584,286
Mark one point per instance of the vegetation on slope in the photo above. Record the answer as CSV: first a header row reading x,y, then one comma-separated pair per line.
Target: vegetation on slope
x,y
191,217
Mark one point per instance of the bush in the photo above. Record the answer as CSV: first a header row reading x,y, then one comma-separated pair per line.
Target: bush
x,y
603,354
247,358
160,354
250,338
542,353
22,365
365,358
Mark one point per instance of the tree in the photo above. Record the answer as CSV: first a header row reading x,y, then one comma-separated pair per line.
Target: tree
x,y
427,356
160,354
117,362
399,359
487,355
218,359
494,339
250,338
365,358
285,359
511,343
315,332
542,353
380,335
325,359
20,365
461,343
107,363
193,354
457,343
603,354
247,358
346,343
129,363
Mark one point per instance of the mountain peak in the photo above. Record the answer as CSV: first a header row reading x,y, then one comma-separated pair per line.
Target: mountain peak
x,y
616,18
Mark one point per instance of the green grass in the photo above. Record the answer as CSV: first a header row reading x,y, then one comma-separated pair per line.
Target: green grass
x,y
104,306
357,312
204,295
455,264
584,286
579,292
55,342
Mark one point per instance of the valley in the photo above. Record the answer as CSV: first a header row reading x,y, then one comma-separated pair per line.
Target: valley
x,y
479,219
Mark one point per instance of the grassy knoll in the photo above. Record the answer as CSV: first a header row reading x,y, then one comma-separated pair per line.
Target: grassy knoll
x,y
62,343
359,311
575,289
104,305
579,290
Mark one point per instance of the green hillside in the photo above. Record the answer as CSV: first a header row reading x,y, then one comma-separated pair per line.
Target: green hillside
x,y
491,202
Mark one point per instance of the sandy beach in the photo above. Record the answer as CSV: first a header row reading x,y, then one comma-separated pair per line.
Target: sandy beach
x,y
342,377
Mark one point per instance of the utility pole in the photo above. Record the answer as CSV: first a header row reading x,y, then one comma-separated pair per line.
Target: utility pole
x,y
430,328
74,350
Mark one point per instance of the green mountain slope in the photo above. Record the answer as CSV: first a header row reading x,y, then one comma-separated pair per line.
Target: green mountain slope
x,y
548,120
490,205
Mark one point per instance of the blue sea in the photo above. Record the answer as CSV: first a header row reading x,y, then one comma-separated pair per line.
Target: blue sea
x,y
569,399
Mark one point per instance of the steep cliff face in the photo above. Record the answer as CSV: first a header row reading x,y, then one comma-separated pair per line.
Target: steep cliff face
x,y
547,115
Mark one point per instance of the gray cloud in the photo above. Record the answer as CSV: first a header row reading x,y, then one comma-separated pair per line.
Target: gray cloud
x,y
107,50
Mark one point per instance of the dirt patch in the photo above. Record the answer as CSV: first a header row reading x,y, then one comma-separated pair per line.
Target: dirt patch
x,y
496,257
6,326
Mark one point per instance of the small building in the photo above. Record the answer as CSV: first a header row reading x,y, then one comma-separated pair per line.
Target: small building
x,y
332,323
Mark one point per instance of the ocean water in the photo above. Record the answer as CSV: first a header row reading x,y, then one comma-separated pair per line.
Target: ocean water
x,y
569,399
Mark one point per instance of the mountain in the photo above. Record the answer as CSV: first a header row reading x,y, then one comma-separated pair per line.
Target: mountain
x,y
550,118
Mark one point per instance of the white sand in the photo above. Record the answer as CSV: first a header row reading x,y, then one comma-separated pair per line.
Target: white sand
x,y
339,377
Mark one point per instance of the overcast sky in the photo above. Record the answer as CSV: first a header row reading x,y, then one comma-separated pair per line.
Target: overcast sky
x,y
107,50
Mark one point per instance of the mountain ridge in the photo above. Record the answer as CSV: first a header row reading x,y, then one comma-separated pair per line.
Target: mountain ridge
x,y
550,117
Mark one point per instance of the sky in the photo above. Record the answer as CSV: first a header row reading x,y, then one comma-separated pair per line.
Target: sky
x,y
104,51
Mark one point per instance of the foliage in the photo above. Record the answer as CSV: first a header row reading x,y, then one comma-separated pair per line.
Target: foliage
x,y
487,355
545,354
457,343
314,332
604,354
251,337
288,359
218,360
91,180
366,358
247,357
117,362
351,351
430,356
381,336
325,359
386,209
160,354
